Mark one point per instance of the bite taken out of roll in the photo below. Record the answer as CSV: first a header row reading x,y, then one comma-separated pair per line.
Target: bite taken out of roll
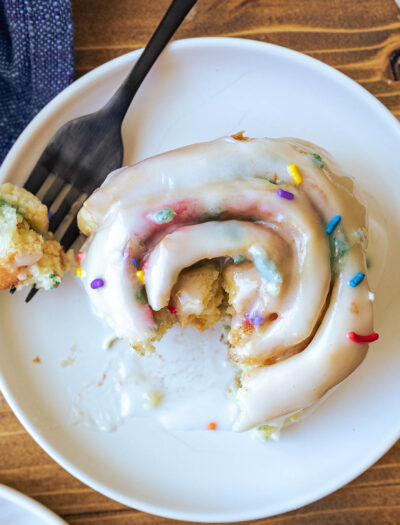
x,y
265,232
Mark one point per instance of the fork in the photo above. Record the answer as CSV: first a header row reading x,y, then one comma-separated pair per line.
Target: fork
x,y
85,150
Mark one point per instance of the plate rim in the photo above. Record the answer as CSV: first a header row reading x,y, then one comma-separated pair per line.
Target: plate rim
x,y
84,82
26,502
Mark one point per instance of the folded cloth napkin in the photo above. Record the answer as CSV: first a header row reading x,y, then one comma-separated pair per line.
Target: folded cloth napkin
x,y
36,61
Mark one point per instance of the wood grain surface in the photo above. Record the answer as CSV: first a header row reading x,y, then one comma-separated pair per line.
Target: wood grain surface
x,y
355,36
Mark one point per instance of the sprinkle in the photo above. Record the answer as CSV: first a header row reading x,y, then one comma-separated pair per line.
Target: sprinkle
x,y
79,257
212,425
256,319
317,159
267,268
79,272
51,235
97,283
295,173
140,276
356,338
272,181
52,276
172,308
285,194
134,262
371,297
164,215
357,279
368,263
50,215
333,223
237,259
247,324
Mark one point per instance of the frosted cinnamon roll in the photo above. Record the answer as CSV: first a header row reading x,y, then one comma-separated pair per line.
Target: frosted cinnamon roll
x,y
266,232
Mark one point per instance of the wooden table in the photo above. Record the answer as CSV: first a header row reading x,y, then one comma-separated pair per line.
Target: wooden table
x,y
356,37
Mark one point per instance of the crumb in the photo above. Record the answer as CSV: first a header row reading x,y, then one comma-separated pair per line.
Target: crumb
x,y
37,359
103,378
68,361
109,342
354,308
152,398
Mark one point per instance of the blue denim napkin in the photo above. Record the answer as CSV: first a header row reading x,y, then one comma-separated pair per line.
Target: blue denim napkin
x,y
36,61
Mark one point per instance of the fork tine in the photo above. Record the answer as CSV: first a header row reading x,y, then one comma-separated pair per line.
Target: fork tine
x,y
64,208
39,173
70,235
52,192
31,294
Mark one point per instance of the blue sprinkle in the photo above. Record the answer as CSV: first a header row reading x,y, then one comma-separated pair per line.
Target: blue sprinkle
x,y
333,223
357,279
50,215
134,262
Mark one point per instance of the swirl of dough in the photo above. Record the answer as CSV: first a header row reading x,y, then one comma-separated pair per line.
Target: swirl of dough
x,y
285,235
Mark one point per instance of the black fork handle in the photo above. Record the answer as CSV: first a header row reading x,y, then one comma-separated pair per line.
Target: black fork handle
x,y
122,98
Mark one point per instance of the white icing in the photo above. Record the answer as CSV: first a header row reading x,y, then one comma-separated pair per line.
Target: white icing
x,y
181,386
227,176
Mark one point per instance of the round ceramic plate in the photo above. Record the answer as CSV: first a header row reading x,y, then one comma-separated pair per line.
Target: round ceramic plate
x,y
201,89
18,509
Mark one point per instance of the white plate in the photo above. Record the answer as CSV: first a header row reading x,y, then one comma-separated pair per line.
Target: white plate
x,y
201,89
18,509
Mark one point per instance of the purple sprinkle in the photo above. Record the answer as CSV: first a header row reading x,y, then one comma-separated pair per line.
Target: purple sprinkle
x,y
134,262
255,319
97,283
50,215
285,194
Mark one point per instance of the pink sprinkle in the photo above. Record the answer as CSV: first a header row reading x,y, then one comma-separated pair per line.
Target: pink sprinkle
x,y
285,194
171,308
97,283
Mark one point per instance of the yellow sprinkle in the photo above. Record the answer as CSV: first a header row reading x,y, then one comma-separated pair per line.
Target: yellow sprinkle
x,y
140,276
295,173
79,272
51,235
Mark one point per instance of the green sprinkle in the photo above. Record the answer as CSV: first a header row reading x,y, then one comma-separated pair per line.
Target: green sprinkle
x,y
164,215
266,268
141,295
338,248
317,159
238,258
272,181
14,206
56,280
368,263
